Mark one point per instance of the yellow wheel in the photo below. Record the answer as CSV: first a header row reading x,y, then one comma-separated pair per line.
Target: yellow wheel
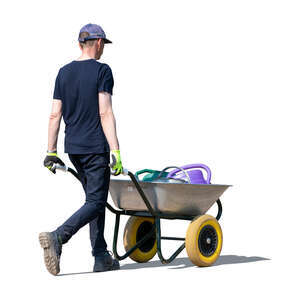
x,y
203,241
135,229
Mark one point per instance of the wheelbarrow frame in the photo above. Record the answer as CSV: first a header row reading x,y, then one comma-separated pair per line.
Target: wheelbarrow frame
x,y
155,227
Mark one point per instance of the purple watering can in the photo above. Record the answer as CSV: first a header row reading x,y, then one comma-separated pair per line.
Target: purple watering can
x,y
195,176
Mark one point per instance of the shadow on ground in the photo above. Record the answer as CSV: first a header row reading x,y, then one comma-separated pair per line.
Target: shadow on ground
x,y
184,262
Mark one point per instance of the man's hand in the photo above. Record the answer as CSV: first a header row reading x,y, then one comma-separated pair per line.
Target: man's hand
x,y
51,159
116,164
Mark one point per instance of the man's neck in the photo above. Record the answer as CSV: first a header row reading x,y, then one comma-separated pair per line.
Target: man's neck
x,y
87,55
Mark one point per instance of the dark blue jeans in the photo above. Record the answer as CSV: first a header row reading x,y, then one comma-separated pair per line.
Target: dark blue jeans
x,y
94,172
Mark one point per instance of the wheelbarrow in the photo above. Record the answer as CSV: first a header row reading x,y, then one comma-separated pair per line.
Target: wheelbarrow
x,y
166,195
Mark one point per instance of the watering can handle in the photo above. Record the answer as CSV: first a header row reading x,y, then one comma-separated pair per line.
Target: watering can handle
x,y
180,169
193,166
143,171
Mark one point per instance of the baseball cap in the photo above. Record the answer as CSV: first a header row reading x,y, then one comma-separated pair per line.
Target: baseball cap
x,y
95,32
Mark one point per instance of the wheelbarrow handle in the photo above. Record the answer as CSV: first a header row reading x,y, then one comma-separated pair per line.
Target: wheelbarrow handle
x,y
64,168
193,166
141,192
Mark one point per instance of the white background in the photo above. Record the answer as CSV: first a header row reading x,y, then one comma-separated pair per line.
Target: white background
x,y
215,82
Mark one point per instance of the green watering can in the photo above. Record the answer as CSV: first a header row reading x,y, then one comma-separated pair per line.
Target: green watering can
x,y
152,174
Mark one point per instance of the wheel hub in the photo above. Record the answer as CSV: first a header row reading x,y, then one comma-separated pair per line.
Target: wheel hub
x,y
143,230
208,240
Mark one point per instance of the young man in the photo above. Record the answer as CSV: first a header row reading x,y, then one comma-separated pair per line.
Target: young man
x,y
82,96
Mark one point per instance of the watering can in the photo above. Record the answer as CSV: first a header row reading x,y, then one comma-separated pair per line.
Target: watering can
x,y
183,174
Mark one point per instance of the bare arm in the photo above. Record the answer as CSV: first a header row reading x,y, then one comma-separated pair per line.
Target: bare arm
x,y
108,120
54,124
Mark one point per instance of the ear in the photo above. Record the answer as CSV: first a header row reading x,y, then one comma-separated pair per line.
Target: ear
x,y
80,47
99,42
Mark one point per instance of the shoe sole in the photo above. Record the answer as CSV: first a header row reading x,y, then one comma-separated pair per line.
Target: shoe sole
x,y
50,257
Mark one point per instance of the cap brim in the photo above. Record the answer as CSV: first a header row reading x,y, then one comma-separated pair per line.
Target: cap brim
x,y
106,41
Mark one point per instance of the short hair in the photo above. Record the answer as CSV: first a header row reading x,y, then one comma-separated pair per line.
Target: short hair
x,y
87,43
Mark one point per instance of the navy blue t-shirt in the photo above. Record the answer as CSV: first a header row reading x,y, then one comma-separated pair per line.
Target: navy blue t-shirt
x,y
77,85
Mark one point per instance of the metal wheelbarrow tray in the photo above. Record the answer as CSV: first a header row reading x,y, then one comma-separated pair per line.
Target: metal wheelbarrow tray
x,y
166,198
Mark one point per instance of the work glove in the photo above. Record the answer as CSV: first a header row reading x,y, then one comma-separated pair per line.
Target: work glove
x,y
116,164
51,159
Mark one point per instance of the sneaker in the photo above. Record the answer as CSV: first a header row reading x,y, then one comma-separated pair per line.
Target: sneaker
x,y
52,251
106,262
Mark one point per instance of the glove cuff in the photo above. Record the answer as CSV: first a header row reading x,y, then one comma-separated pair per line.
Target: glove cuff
x,y
52,153
117,151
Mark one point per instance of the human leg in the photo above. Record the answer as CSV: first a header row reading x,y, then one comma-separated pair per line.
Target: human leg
x,y
96,225
98,242
97,173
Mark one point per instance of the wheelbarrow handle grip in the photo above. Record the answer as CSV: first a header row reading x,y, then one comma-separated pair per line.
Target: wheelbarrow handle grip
x,y
124,172
193,166
57,166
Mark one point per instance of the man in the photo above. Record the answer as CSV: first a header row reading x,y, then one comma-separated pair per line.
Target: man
x,y
82,96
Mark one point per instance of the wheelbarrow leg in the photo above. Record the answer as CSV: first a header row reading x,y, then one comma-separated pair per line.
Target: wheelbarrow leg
x,y
115,240
158,239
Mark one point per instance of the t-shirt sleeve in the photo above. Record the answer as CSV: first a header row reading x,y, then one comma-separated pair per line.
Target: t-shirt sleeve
x,y
57,89
105,80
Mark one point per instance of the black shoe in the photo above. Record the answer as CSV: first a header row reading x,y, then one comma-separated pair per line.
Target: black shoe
x,y
52,251
106,262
